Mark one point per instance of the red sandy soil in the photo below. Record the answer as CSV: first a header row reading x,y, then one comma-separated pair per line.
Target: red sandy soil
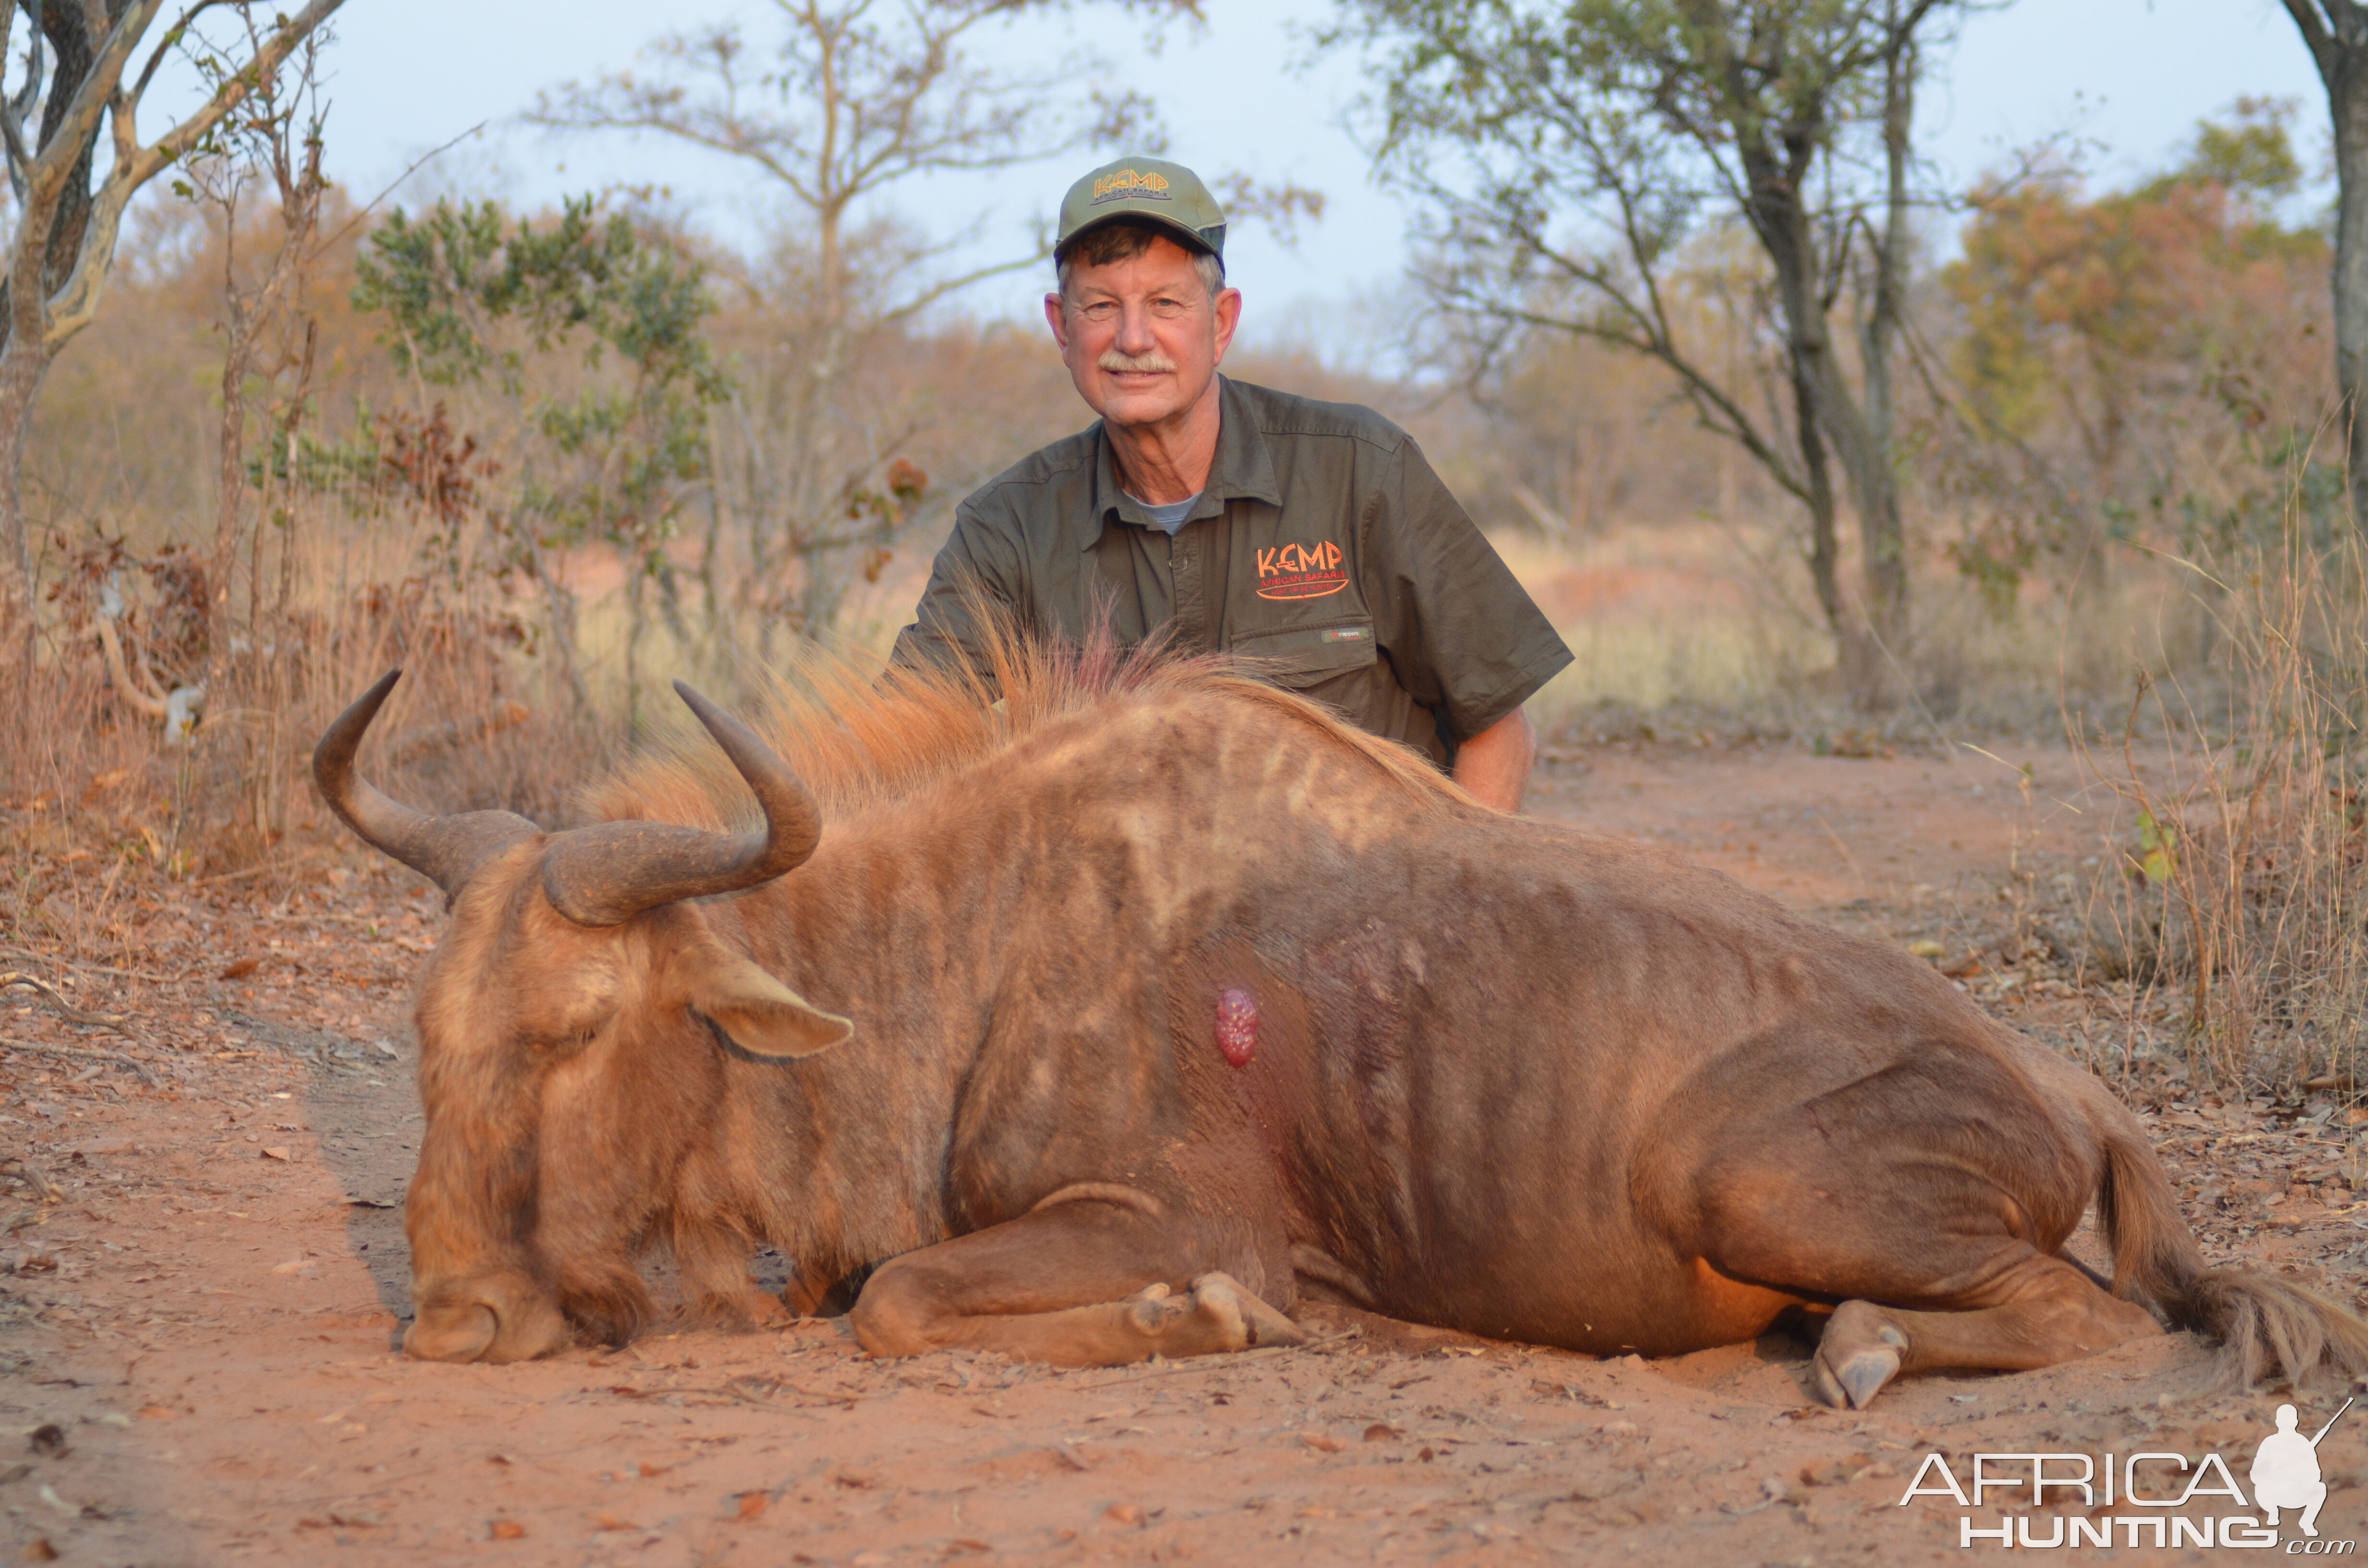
x,y
197,1334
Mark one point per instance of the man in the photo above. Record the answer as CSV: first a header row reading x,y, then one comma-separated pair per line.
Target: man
x,y
1311,538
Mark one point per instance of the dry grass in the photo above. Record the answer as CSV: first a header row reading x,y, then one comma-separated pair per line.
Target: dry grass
x,y
2243,887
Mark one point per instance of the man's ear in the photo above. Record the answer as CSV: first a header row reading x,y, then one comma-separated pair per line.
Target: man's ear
x,y
753,1010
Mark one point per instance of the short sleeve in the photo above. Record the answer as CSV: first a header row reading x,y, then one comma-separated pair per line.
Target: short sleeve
x,y
978,561
1464,637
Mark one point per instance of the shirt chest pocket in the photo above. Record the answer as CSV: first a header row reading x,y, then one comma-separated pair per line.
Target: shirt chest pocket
x,y
1303,656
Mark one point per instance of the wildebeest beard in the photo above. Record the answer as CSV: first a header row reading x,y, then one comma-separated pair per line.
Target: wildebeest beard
x,y
1115,1019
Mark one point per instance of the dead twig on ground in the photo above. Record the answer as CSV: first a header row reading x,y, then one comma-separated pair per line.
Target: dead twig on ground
x,y
82,1053
266,867
43,1188
10,979
79,967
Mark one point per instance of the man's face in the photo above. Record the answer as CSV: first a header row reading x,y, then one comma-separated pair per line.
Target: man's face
x,y
1142,338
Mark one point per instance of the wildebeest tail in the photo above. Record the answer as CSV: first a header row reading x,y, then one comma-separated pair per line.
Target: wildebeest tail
x,y
2265,1325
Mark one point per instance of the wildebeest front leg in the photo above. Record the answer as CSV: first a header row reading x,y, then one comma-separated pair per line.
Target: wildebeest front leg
x,y
2046,1311
1086,1283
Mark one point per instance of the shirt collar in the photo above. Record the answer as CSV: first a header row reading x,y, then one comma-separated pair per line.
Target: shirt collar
x,y
1244,470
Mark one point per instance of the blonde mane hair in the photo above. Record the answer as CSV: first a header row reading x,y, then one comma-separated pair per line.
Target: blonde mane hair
x,y
861,735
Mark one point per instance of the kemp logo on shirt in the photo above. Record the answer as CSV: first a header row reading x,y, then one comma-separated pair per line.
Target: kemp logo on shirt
x,y
1299,572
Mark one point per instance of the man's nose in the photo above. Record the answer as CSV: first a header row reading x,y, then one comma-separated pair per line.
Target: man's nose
x,y
1134,335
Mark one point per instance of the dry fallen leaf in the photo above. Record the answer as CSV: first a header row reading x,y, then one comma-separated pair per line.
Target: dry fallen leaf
x,y
158,1412
1381,1432
506,1530
38,1549
611,1522
1123,1513
275,1154
1321,1443
753,1504
242,969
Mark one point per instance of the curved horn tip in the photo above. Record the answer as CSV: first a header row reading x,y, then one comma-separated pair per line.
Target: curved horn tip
x,y
367,705
344,735
714,719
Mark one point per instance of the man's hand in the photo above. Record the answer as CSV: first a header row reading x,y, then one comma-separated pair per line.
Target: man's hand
x,y
1494,766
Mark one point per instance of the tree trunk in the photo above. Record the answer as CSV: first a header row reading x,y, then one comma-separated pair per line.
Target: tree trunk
x,y
223,565
2347,94
560,602
636,615
1827,411
1778,162
2336,32
290,443
1879,537
1851,653
22,367
25,355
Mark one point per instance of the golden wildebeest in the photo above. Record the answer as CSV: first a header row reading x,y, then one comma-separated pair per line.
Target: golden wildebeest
x,y
1110,1023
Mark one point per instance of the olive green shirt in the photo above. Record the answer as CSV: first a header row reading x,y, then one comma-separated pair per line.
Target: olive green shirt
x,y
1323,548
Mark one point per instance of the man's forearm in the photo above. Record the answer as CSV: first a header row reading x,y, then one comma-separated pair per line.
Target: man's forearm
x,y
1494,766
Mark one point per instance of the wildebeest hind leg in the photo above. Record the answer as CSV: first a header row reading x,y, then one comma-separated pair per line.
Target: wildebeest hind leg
x,y
2046,1310
1078,1284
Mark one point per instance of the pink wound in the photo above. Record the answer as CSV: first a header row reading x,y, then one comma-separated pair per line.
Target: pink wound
x,y
1238,1025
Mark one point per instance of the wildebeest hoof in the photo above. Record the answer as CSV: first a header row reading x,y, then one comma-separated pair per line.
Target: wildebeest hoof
x,y
1260,1324
498,1317
452,1333
1854,1383
1855,1358
1155,1313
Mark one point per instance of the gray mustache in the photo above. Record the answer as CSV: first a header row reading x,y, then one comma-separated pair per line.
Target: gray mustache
x,y
1116,362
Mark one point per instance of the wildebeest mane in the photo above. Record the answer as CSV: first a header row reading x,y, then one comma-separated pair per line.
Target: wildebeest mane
x,y
861,735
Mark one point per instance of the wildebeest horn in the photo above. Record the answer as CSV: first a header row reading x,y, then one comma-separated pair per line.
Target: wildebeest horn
x,y
606,874
445,850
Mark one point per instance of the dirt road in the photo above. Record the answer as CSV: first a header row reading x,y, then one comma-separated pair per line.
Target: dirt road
x,y
197,1331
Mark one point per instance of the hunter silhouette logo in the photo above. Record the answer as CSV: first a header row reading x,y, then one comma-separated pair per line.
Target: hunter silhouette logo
x,y
1299,572
2286,1471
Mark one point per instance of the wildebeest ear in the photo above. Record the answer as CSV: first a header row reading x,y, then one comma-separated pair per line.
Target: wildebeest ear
x,y
757,1013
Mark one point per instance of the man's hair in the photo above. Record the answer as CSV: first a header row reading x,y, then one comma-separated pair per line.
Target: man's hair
x,y
1123,239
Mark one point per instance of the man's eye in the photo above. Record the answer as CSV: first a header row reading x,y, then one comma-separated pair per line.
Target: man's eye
x,y
1100,314
1169,310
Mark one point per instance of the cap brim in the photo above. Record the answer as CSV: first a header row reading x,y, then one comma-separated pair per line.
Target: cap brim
x,y
1190,236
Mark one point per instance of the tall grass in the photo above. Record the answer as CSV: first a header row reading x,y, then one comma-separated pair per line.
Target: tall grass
x,y
2243,890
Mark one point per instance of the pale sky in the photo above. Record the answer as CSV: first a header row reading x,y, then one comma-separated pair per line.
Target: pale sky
x,y
2133,75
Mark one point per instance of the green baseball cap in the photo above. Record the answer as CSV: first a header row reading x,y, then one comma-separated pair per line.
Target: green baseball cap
x,y
1166,194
